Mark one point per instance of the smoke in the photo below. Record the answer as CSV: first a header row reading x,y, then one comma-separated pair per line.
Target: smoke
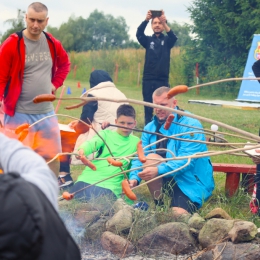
x,y
74,227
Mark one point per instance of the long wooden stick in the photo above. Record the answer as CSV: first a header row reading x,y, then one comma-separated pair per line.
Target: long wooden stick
x,y
204,119
220,81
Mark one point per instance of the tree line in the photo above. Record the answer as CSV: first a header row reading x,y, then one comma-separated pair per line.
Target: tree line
x,y
218,39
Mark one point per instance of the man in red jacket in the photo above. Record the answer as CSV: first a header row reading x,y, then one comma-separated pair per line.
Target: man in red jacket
x,y
32,63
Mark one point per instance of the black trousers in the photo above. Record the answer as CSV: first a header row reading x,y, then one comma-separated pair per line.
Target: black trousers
x,y
149,86
178,198
91,192
257,181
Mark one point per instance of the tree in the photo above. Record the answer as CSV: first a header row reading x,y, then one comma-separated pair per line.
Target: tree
x,y
96,32
223,34
17,24
182,32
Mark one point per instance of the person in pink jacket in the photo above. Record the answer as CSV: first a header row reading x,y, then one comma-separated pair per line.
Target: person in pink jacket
x,y
32,63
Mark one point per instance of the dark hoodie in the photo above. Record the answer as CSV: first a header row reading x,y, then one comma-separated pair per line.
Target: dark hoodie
x,y
30,227
88,111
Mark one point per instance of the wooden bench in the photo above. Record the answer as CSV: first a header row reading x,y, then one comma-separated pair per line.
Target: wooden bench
x,y
233,172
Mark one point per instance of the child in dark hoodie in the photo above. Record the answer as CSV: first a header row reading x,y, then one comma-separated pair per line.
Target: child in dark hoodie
x,y
94,112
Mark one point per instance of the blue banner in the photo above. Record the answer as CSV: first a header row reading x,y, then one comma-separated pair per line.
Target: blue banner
x,y
250,89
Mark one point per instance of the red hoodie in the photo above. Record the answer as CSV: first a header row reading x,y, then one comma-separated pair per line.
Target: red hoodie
x,y
12,60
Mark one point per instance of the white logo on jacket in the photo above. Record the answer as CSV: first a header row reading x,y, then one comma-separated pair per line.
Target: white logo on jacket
x,y
152,45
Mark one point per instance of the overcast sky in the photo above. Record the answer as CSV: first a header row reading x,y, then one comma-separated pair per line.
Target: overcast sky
x,y
134,11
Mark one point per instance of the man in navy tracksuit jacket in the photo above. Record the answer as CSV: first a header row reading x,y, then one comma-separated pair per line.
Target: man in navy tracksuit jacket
x,y
157,57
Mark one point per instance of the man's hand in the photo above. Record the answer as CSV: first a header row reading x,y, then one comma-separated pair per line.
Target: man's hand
x,y
163,20
53,90
148,16
133,183
104,125
256,159
148,173
73,124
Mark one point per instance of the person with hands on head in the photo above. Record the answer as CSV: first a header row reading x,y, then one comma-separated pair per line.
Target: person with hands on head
x,y
121,143
157,57
188,187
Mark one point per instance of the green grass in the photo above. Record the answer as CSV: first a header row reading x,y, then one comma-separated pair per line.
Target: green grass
x,y
248,120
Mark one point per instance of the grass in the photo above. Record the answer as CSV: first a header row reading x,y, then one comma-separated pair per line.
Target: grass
x,y
248,120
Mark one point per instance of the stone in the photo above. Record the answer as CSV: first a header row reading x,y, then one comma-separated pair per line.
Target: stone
x,y
172,237
214,230
121,204
116,245
122,220
85,217
230,251
94,231
144,222
243,231
196,221
218,213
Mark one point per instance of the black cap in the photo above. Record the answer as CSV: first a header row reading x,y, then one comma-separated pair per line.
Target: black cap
x,y
98,76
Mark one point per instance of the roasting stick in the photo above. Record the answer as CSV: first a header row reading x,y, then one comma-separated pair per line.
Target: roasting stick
x,y
222,80
198,155
42,98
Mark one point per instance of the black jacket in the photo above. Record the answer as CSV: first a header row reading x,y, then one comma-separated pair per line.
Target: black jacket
x,y
30,228
256,69
157,56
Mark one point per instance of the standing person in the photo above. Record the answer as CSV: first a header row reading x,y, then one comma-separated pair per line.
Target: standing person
x,y
32,63
256,197
94,112
31,227
189,187
121,143
157,57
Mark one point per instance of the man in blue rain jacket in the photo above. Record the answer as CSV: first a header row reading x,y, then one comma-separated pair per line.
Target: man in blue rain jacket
x,y
188,187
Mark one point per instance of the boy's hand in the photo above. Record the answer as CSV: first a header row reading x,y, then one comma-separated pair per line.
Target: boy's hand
x,y
104,125
133,183
80,154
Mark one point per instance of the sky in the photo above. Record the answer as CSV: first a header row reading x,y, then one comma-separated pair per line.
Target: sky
x,y
134,11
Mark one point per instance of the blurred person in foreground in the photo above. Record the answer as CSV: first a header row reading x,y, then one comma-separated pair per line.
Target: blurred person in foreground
x,y
31,228
189,187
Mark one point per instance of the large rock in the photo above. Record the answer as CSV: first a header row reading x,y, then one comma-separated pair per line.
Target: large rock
x,y
86,217
172,237
230,251
94,231
214,230
243,231
116,244
122,220
196,221
144,222
218,213
121,204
